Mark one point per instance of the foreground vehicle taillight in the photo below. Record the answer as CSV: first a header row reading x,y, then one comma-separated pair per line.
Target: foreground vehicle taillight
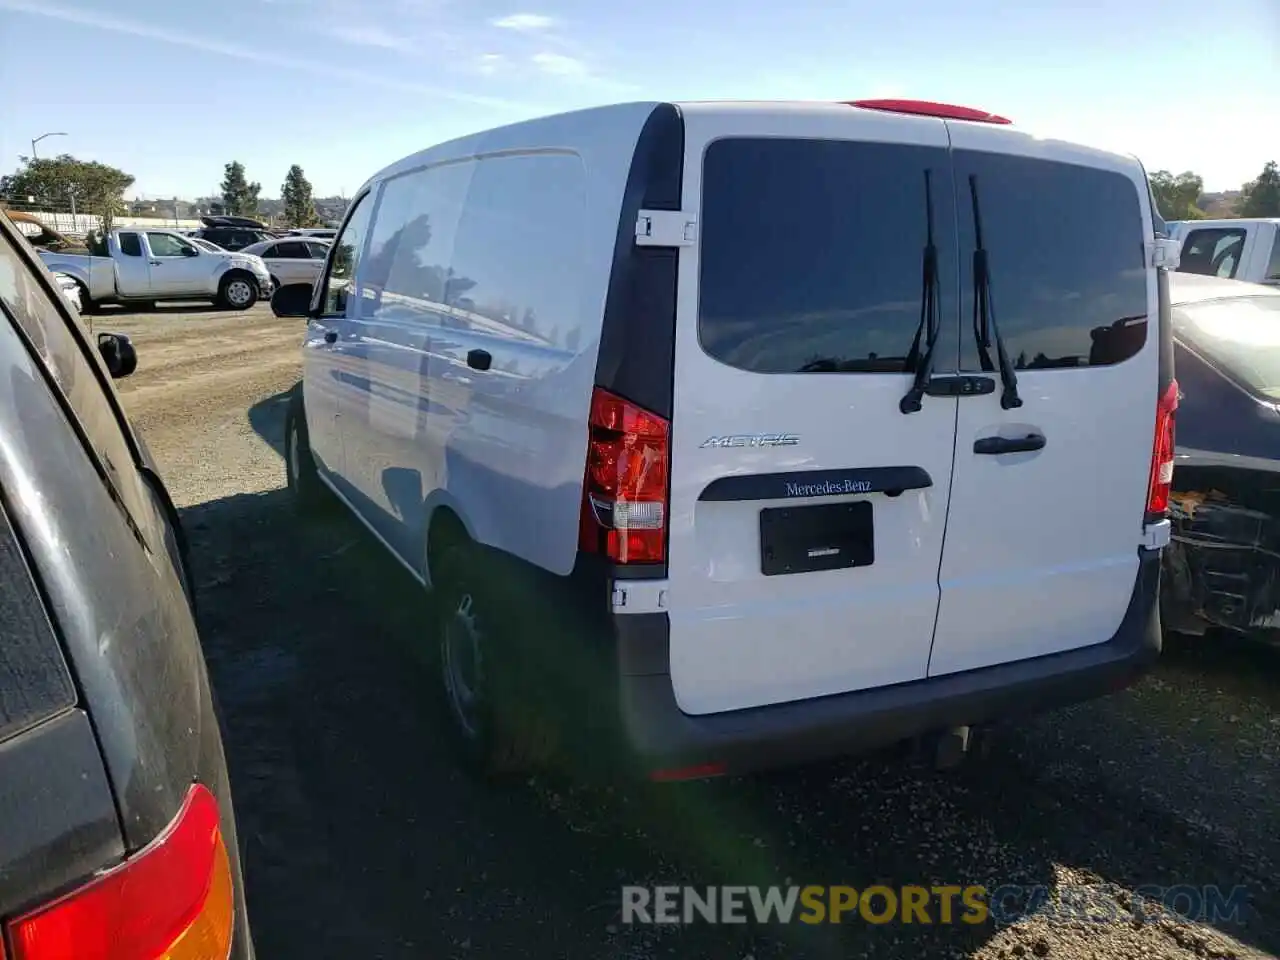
x,y
624,496
1162,452
174,900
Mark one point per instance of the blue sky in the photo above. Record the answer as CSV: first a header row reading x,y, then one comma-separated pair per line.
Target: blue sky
x,y
170,90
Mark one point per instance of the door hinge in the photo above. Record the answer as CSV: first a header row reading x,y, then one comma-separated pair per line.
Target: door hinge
x,y
666,228
639,596
1157,535
1164,253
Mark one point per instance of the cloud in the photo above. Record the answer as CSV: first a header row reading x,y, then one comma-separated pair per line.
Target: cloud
x,y
524,22
367,35
320,66
558,65
490,63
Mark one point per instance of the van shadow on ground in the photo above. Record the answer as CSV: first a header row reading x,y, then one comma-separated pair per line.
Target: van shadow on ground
x,y
363,839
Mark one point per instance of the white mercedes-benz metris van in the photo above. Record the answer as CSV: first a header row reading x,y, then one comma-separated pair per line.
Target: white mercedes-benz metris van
x,y
739,434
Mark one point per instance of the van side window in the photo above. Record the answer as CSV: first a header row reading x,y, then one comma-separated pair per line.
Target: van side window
x,y
517,256
1212,252
345,260
812,252
130,245
1065,252
411,240
1273,265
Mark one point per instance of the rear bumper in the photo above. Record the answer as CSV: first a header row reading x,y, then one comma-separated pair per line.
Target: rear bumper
x,y
661,736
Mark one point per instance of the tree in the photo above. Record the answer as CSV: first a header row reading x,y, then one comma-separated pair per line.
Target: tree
x,y
299,207
1261,197
62,181
1176,196
239,196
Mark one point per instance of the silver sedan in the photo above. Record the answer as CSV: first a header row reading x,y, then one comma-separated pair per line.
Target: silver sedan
x,y
292,259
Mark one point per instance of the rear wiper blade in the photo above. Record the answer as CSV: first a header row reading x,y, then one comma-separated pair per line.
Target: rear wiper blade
x,y
985,329
930,323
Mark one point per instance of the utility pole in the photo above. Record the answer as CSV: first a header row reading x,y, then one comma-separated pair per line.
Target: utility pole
x,y
34,155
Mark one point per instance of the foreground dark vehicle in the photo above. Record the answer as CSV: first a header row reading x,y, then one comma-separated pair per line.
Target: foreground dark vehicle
x,y
117,836
1224,563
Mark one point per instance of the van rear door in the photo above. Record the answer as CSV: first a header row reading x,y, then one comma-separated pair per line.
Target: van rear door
x,y
1041,546
807,510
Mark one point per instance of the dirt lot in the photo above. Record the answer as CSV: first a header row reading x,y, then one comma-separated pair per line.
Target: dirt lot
x,y
362,840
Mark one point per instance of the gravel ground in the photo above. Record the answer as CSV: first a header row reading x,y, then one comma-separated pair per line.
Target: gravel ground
x,y
363,840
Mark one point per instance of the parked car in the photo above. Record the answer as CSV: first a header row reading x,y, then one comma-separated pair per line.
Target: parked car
x,y
291,260
1223,567
118,825
320,233
150,265
707,514
1232,249
233,233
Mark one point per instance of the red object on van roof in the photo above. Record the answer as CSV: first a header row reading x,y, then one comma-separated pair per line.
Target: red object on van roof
x,y
927,108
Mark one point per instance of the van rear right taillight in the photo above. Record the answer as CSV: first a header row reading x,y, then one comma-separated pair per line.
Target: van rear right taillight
x,y
1162,452
624,494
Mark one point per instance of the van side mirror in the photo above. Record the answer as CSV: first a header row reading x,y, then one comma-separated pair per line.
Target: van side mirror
x,y
118,354
292,300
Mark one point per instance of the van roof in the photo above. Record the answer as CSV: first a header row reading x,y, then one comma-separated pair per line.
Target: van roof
x,y
617,125
1227,222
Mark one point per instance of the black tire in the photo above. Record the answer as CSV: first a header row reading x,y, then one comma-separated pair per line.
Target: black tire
x,y
237,291
86,303
311,497
496,727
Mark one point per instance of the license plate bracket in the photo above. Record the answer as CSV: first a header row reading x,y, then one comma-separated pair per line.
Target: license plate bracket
x,y
824,536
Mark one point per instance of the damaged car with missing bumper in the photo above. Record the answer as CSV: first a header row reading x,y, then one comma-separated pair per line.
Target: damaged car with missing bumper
x,y
1222,569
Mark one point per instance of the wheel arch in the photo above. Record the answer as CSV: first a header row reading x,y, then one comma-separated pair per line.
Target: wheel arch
x,y
446,524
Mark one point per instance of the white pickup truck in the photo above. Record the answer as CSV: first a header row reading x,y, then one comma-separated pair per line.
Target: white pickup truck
x,y
143,266
1235,249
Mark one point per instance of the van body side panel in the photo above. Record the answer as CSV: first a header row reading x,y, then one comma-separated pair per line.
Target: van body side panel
x,y
1040,554
478,332
796,312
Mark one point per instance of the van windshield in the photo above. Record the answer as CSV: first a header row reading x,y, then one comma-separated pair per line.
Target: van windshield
x,y
1241,335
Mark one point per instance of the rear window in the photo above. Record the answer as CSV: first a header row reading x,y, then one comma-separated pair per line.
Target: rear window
x,y
34,682
1066,255
1241,336
811,253
130,245
1273,265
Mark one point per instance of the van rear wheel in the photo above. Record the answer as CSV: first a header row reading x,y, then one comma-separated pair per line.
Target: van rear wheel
x,y
492,727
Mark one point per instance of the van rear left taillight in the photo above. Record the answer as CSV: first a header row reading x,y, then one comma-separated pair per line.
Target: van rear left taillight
x,y
174,900
624,494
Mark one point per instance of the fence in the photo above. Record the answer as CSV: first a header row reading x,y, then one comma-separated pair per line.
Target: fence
x,y
76,223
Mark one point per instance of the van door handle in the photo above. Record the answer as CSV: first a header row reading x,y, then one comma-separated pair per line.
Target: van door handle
x,y
331,336
479,359
994,446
